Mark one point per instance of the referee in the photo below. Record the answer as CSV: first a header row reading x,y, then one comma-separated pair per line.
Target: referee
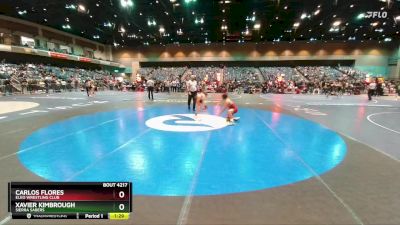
x,y
191,88
150,88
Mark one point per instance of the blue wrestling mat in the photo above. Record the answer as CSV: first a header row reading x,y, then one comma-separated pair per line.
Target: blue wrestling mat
x,y
166,151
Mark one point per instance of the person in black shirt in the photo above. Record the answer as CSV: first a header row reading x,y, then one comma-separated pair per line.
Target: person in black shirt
x,y
24,84
8,87
69,83
47,85
88,86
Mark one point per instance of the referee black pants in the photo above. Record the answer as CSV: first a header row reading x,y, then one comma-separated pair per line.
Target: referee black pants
x,y
150,90
192,96
370,93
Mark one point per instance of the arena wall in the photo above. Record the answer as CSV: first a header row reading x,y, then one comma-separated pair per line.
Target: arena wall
x,y
373,57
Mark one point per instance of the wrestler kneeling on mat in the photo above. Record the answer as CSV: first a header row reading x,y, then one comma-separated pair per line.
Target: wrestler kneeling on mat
x,y
231,107
201,102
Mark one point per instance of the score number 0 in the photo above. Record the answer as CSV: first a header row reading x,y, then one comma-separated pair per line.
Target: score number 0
x,y
121,206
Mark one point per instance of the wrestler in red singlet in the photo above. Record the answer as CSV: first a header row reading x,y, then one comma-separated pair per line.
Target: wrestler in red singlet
x,y
201,102
233,106
230,106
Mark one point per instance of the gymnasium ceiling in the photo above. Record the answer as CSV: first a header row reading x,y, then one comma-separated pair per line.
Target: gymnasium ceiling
x,y
160,22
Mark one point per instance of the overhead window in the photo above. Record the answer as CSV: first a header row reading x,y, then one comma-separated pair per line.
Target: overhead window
x,y
27,42
65,49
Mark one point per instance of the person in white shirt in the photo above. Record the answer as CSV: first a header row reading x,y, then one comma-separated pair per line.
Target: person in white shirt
x,y
191,88
371,90
167,84
150,88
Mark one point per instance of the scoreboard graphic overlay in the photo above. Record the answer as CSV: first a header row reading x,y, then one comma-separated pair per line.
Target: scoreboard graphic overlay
x,y
70,200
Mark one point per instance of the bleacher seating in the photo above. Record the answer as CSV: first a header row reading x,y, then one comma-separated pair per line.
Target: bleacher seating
x,y
270,79
242,74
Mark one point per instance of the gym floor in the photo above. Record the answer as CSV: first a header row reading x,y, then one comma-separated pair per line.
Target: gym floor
x,y
290,159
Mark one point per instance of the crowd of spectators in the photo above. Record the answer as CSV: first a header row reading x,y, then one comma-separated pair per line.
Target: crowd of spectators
x,y
205,73
271,73
243,74
321,80
165,78
211,79
34,78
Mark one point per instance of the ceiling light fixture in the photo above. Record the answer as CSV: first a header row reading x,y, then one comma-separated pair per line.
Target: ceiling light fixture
x,y
334,29
151,23
81,8
190,1
108,24
197,21
126,3
71,6
336,23
22,12
66,26
361,16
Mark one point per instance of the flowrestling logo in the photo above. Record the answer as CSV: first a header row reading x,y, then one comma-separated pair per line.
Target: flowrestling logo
x,y
376,14
186,123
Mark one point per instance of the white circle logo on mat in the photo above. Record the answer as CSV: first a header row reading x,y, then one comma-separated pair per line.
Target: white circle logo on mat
x,y
186,123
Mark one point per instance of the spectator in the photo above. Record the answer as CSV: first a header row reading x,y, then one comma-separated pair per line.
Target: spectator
x,y
371,90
